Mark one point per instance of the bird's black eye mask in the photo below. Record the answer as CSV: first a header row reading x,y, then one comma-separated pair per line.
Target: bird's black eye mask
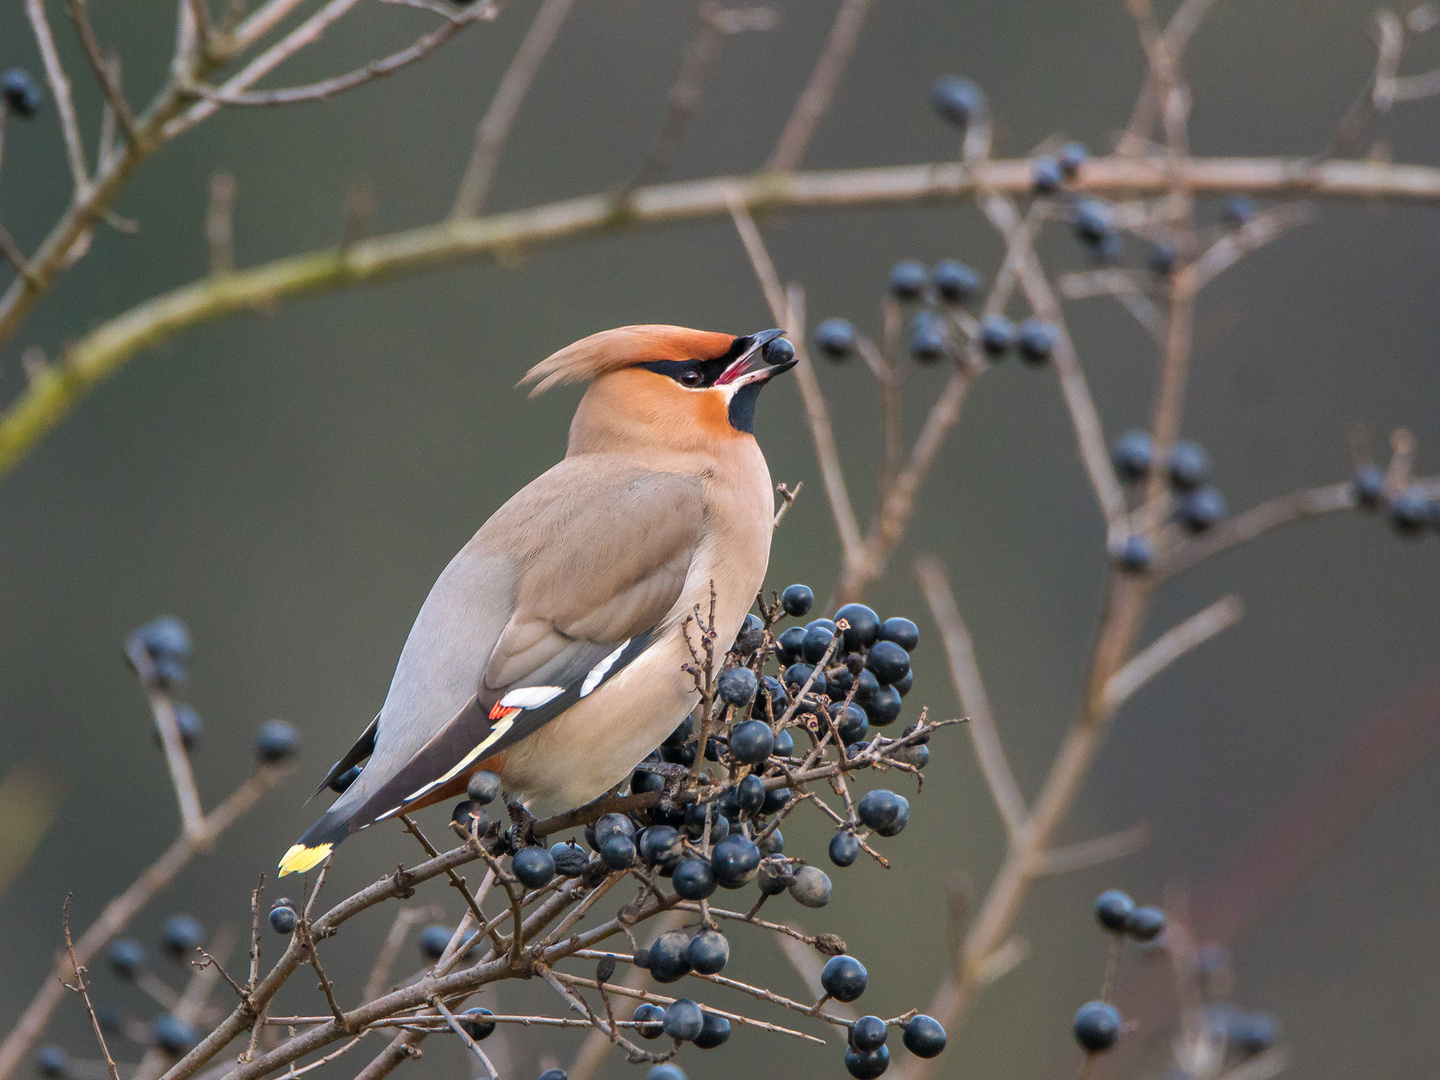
x,y
698,374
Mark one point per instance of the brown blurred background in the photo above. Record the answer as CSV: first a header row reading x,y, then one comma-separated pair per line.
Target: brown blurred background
x,y
291,485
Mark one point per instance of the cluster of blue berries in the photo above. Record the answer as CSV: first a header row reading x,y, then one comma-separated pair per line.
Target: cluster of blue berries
x,y
160,652
1097,1023
128,960
1413,510
1196,504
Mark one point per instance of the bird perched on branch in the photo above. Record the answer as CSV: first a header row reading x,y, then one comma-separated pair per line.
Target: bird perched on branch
x,y
551,649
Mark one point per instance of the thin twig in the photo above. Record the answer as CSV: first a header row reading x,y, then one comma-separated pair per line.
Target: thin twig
x,y
83,991
124,116
60,90
1101,849
1169,647
814,102
494,127
965,671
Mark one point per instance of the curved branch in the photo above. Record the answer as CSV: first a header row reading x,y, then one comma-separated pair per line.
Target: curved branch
x,y
100,353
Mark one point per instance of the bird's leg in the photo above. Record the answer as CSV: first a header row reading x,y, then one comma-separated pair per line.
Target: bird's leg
x,y
523,822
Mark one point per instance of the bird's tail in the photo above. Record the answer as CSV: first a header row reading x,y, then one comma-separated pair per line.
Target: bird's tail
x,y
316,844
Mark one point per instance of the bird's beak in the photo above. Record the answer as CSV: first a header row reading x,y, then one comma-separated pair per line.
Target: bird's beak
x,y
767,355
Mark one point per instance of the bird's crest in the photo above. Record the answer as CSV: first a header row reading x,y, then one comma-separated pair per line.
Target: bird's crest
x,y
611,350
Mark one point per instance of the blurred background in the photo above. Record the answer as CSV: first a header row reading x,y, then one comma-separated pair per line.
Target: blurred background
x,y
291,484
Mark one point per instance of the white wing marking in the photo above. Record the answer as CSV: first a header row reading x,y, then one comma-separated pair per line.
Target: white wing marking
x,y
600,670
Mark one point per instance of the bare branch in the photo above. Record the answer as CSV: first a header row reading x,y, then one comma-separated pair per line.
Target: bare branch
x,y
1256,521
815,101
816,411
1169,647
495,126
60,90
1101,849
220,223
124,116
1256,233
965,672
79,971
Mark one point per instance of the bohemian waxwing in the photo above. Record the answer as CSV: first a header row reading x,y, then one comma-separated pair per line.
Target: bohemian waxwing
x,y
550,650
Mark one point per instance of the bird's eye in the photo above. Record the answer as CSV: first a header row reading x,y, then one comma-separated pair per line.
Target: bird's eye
x,y
691,377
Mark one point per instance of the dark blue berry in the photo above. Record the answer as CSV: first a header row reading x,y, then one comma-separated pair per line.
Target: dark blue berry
x,y
126,957
342,782
888,661
617,853
1369,486
433,940
613,825
736,686
851,722
1037,340
670,957
750,795
1237,211
868,1033
927,337
1410,511
1072,156
276,741
844,848
643,780
797,600
173,1035
1094,221
924,1037
752,742
1113,908
1109,251
778,352
554,1074
1097,1026
166,642
907,280
955,282
661,845
866,686
667,1071
570,859
817,640
957,99
468,817
776,800
534,866
682,734
1145,923
902,632
475,1025
1189,465
997,334
1249,1034
1161,258
866,1065
683,1019
883,706
843,978
811,887
903,684
752,633
771,843
484,787
884,811
714,1032
1045,176
694,879
1135,553
283,920
1200,509
187,720
650,1022
735,860
836,338
709,952
790,645
784,744
1132,454
182,935
797,675
864,626
52,1062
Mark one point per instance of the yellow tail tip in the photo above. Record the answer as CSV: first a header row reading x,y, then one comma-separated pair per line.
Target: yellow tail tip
x,y
301,858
